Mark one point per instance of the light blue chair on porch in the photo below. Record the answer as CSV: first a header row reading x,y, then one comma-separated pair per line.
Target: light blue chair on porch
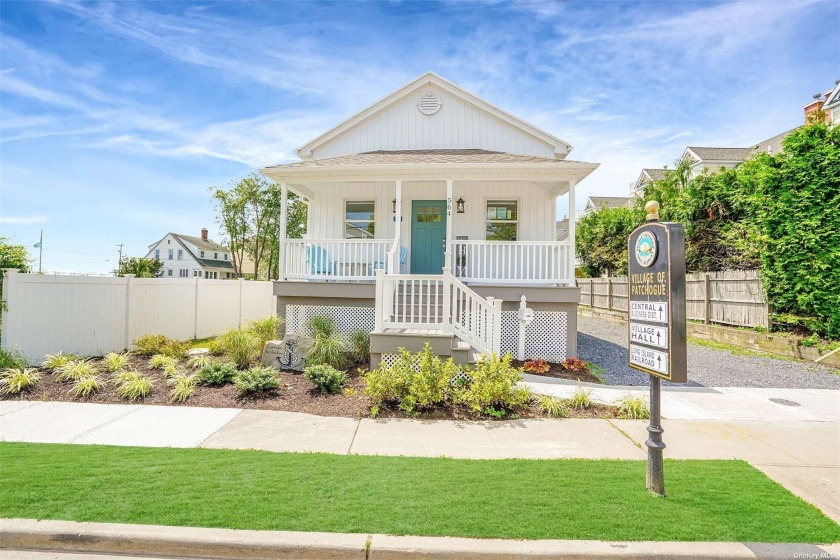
x,y
384,264
319,261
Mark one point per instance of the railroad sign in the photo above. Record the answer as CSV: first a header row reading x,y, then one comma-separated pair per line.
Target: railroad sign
x,y
656,276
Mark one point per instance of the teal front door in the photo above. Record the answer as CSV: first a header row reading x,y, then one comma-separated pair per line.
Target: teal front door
x,y
428,235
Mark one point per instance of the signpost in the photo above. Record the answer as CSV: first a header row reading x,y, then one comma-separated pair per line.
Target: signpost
x,y
656,325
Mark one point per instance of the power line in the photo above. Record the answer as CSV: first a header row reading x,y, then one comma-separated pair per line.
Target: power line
x,y
76,252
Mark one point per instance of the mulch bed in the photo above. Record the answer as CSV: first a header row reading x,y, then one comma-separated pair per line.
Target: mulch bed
x,y
558,371
296,394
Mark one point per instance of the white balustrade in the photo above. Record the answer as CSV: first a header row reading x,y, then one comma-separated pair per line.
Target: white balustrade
x,y
511,262
335,259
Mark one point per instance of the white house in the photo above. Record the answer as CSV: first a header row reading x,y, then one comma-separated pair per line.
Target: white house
x,y
185,256
714,159
646,176
595,203
431,214
831,106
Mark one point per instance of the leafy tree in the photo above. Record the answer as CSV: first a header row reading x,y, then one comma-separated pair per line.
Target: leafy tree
x,y
249,213
14,256
601,240
140,267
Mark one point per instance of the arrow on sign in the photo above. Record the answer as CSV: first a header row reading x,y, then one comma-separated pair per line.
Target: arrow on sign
x,y
659,362
660,312
657,338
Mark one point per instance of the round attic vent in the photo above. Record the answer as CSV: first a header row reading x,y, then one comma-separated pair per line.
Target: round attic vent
x,y
429,104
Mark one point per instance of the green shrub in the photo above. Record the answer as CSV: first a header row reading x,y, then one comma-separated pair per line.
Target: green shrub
x,y
216,347
75,370
86,386
12,359
151,344
163,362
326,378
115,362
320,325
413,382
329,350
13,381
199,361
241,347
54,362
119,376
256,380
632,408
359,344
135,386
265,329
183,387
217,373
552,406
494,384
580,399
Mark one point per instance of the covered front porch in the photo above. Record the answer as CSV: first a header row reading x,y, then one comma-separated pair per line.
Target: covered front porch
x,y
489,223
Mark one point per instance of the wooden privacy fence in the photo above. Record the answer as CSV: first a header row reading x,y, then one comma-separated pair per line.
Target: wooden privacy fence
x,y
91,316
732,297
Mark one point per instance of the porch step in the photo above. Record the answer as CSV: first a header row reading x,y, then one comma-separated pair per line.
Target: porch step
x,y
442,344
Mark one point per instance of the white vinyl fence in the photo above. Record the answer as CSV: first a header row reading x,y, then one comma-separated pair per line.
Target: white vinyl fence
x,y
91,315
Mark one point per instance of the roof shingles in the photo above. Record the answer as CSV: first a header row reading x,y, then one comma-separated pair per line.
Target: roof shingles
x,y
402,157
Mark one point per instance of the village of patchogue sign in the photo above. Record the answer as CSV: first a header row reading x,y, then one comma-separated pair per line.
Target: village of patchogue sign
x,y
656,284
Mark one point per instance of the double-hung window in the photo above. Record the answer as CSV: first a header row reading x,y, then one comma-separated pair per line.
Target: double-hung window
x,y
171,254
502,220
359,220
180,254
157,254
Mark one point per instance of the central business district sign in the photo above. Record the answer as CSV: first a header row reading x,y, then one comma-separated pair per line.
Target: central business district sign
x,y
656,284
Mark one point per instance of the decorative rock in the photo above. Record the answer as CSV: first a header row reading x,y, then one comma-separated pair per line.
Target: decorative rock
x,y
288,353
198,352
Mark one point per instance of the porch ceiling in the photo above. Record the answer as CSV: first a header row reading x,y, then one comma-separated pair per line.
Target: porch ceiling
x,y
431,165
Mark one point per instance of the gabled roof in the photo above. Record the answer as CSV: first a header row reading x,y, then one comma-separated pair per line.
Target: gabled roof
x,y
208,245
654,174
833,98
700,153
773,145
561,148
608,201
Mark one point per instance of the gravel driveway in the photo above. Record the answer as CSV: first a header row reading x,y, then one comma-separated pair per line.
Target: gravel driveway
x,y
605,342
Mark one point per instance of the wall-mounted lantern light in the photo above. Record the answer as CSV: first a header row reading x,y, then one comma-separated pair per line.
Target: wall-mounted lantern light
x,y
460,205
394,206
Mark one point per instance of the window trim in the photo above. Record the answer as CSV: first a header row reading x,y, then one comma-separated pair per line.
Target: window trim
x,y
516,222
344,219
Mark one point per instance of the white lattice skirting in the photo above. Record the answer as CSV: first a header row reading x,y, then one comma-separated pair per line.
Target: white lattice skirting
x,y
347,319
545,337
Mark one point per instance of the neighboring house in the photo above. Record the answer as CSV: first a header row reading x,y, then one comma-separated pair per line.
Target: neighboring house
x,y
714,159
185,256
830,106
562,230
431,214
645,177
595,203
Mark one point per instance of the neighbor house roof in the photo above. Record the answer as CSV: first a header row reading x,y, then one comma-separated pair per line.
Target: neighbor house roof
x,y
833,97
655,174
609,201
561,148
720,154
402,157
562,230
772,145
208,245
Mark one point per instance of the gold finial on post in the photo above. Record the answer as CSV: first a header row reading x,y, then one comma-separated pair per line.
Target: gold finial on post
x,y
652,209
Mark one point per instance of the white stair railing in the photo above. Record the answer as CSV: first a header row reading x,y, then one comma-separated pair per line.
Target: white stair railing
x,y
438,302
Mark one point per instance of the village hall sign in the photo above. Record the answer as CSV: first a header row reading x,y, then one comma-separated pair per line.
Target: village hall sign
x,y
656,272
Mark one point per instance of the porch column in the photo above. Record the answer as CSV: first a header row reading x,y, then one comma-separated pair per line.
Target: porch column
x,y
281,257
572,224
447,251
394,256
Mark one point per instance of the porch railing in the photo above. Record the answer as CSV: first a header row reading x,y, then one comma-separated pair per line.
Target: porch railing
x,y
438,302
335,259
519,262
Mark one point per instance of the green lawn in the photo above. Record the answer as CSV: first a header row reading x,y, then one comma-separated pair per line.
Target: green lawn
x,y
522,499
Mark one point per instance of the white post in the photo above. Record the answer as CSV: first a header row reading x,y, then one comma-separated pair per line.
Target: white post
x,y
520,350
128,279
572,218
447,299
393,256
195,315
241,284
9,278
447,255
284,211
379,305
496,341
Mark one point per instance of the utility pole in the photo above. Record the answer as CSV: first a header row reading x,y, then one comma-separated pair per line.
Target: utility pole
x,y
119,262
40,251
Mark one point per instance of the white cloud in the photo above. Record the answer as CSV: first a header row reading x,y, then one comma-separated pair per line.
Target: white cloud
x,y
22,220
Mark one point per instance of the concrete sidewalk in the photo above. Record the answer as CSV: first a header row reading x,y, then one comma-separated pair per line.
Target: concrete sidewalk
x,y
802,455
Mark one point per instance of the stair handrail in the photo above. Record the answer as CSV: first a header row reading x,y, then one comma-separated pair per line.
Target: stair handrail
x,y
481,325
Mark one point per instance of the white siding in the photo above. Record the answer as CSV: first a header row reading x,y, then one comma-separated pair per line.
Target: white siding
x,y
536,208
458,124
87,315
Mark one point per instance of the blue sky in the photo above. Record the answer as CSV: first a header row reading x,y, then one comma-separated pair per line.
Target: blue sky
x,y
115,118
